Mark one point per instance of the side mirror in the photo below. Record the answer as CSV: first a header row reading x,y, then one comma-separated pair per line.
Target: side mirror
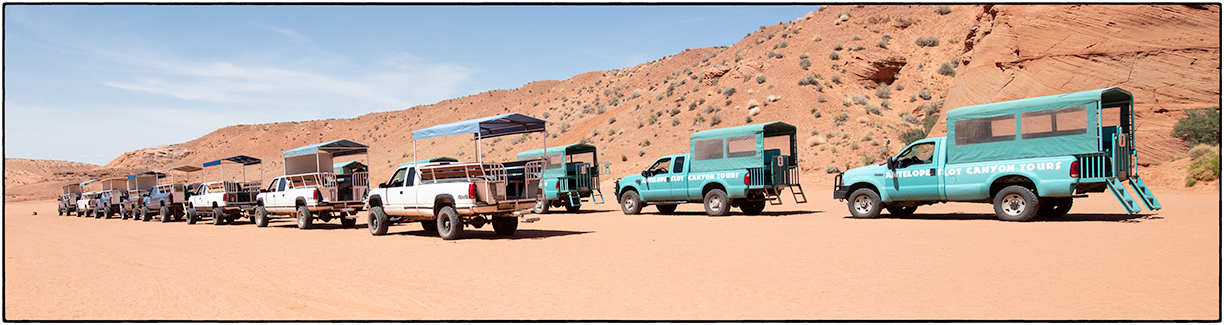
x,y
645,173
892,163
382,185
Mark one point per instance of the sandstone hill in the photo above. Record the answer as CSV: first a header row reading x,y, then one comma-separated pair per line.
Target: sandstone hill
x,y
852,78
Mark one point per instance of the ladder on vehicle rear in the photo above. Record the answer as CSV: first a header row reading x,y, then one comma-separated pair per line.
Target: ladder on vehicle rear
x,y
783,175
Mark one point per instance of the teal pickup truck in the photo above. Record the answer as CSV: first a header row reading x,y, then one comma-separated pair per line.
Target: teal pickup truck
x,y
1029,157
570,174
744,166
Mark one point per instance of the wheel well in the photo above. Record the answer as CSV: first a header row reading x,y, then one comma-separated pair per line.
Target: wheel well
x,y
299,202
711,186
375,200
441,201
857,186
626,189
1010,180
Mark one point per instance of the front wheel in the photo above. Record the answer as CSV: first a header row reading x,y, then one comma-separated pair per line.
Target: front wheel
x,y
541,206
429,225
61,210
218,216
123,212
450,225
304,218
753,207
631,203
505,226
716,203
145,215
1016,203
864,203
666,208
378,221
192,216
902,211
261,216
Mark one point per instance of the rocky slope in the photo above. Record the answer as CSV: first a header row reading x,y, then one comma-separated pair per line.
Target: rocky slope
x,y
822,72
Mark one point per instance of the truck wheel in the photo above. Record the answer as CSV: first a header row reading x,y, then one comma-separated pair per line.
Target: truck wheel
x,y
716,203
60,210
106,211
304,218
145,215
165,214
261,216
450,225
80,213
753,207
218,216
348,222
192,216
123,212
666,208
630,203
1016,203
902,211
429,225
569,207
1054,207
864,203
505,226
378,221
97,213
541,207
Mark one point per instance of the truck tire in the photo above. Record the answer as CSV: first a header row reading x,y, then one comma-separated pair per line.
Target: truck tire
x,y
145,215
192,216
429,225
716,203
97,213
261,216
666,208
450,225
304,218
753,207
631,203
106,211
60,210
378,221
570,207
348,222
541,207
164,213
123,212
80,213
1054,207
864,203
505,226
1016,203
218,216
902,211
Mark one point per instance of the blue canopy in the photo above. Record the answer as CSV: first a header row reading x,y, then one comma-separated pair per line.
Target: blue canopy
x,y
336,148
244,160
159,175
430,160
493,126
89,181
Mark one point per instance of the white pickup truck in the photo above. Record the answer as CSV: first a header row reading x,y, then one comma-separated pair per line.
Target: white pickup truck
x,y
446,195
225,201
315,186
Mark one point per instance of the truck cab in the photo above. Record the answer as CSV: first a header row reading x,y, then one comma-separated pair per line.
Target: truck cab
x,y
1029,157
571,176
744,166
315,187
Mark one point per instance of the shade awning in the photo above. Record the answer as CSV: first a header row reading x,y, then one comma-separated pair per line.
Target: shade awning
x,y
336,148
148,173
493,126
186,168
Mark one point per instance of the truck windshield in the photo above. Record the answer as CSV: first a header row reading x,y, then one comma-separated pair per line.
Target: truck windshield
x,y
660,167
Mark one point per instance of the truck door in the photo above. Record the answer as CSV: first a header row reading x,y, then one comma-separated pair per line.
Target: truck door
x,y
400,191
655,185
269,198
678,179
915,177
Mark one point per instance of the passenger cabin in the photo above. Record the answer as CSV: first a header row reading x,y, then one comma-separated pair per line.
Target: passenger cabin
x,y
571,172
178,183
496,182
1095,126
766,150
139,185
113,190
70,193
244,187
313,166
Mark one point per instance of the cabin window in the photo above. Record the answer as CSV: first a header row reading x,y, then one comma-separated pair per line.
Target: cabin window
x,y
659,167
780,142
742,146
708,149
679,166
986,130
1054,122
282,183
397,180
271,187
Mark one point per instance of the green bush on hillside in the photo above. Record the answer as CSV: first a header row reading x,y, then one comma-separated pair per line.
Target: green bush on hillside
x,y
1199,126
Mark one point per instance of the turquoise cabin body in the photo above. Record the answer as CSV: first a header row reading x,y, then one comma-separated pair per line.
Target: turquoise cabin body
x,y
570,176
1029,157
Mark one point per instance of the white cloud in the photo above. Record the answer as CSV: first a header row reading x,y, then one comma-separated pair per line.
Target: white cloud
x,y
288,33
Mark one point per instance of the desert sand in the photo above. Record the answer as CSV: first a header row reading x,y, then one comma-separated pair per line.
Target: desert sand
x,y
799,261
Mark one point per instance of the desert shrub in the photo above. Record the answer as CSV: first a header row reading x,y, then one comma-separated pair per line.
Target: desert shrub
x,y
1199,126
808,80
692,106
911,135
640,124
859,99
760,78
773,54
836,79
815,140
821,99
748,119
804,63
641,153
943,9
652,119
929,121
887,104
873,109
859,48
925,94
697,120
883,91
841,118
867,137
910,118
1200,150
715,119
545,114
674,111
728,91
834,56
882,44
781,45
832,170
675,121
623,158
946,69
931,41
817,38
867,159
595,133
899,87
1204,168
837,47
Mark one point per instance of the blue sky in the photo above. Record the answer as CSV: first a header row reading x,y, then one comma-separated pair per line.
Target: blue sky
x,y
89,82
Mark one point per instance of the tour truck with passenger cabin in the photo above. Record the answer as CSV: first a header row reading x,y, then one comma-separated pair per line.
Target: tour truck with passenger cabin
x,y
1029,157
112,195
313,187
69,195
168,198
89,198
225,200
139,186
446,195
742,166
571,176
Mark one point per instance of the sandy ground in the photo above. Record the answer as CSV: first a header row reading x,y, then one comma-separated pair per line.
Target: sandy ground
x,y
807,261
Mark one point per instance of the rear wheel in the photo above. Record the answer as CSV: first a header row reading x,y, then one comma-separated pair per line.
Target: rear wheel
x,y
429,225
165,214
666,208
753,207
1054,207
348,221
106,211
304,218
144,213
864,203
716,203
378,221
261,216
450,225
60,210
218,216
1016,203
541,206
630,202
902,211
192,216
570,207
123,212
505,226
